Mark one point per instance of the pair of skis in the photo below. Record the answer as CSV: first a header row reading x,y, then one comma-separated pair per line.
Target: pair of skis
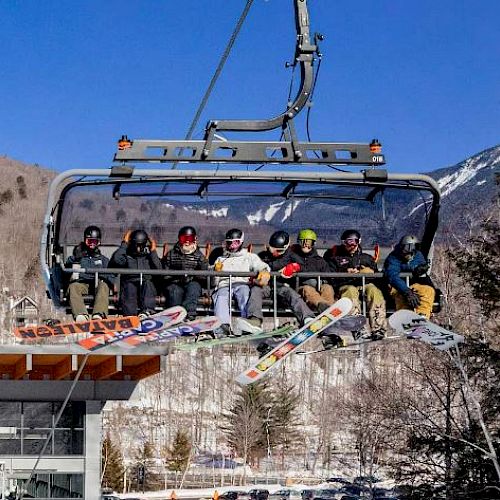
x,y
129,331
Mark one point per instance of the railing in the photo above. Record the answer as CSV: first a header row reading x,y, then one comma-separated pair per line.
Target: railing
x,y
364,279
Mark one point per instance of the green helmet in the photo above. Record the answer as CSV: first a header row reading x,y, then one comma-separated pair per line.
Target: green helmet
x,y
307,234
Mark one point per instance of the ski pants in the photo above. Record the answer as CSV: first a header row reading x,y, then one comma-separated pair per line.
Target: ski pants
x,y
427,295
136,298
375,304
185,295
286,296
222,301
78,289
313,298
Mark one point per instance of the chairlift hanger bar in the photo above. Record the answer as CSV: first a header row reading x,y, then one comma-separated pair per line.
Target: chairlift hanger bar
x,y
212,149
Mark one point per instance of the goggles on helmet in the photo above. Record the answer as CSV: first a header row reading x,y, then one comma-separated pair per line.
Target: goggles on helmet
x,y
92,242
187,239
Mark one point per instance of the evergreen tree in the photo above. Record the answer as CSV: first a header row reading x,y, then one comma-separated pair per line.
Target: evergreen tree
x,y
283,419
144,477
111,465
245,423
479,265
177,457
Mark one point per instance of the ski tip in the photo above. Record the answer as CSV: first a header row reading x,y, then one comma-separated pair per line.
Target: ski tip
x,y
244,379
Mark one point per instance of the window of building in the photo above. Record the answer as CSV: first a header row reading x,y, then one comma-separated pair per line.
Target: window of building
x,y
61,486
24,428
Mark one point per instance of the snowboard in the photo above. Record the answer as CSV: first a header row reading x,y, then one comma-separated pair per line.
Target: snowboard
x,y
298,338
204,344
188,329
356,343
95,326
416,327
158,321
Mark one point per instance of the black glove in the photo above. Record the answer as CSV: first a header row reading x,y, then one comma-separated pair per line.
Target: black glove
x,y
420,270
78,253
412,298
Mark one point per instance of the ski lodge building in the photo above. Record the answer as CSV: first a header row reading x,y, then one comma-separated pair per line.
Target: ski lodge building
x,y
35,381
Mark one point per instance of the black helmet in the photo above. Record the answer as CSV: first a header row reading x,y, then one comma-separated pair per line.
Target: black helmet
x,y
235,234
279,239
92,232
409,244
138,242
351,234
187,231
139,237
234,240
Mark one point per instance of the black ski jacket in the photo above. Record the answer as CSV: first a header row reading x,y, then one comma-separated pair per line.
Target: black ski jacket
x,y
87,258
122,258
178,261
278,263
310,262
340,260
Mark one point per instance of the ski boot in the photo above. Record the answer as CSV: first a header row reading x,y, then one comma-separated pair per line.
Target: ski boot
x,y
249,326
377,335
332,341
263,348
363,334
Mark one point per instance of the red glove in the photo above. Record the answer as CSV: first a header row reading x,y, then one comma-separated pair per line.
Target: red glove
x,y
290,269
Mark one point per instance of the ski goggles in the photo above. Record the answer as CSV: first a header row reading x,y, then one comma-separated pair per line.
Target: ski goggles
x,y
187,239
277,251
234,244
351,241
92,242
307,242
409,248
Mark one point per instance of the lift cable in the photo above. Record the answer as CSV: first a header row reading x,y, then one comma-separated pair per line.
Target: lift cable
x,y
56,421
217,73
210,87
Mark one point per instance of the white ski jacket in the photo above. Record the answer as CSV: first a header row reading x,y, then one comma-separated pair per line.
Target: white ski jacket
x,y
241,261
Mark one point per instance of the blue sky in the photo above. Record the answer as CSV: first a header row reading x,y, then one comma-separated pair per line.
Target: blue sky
x,y
423,77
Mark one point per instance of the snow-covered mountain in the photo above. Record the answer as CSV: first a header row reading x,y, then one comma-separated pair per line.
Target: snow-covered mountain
x,y
468,189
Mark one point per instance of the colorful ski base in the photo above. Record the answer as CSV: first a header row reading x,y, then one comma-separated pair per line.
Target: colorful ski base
x,y
107,325
158,321
206,344
187,329
417,327
273,358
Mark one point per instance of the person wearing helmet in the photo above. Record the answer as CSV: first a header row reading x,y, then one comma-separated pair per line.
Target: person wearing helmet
x,y
185,256
87,254
238,259
137,253
350,258
310,261
280,258
420,293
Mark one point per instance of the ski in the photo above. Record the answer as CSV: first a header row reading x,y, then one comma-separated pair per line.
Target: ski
x,y
158,321
417,327
357,343
187,329
204,344
107,325
298,338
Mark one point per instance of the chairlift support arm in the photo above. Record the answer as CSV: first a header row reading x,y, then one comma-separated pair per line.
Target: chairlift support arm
x,y
291,150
